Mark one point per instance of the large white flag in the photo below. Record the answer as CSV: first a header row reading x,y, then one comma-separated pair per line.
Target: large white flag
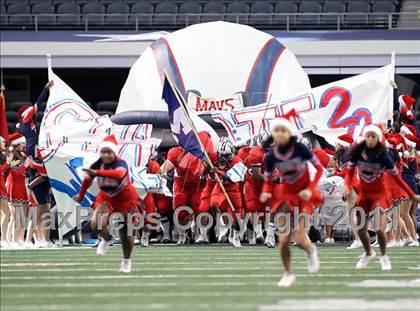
x,y
69,138
328,110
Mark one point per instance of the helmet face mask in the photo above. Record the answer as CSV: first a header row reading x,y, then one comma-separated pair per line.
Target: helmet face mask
x,y
225,150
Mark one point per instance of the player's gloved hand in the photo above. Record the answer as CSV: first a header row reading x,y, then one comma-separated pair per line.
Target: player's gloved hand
x,y
265,196
305,194
226,178
277,179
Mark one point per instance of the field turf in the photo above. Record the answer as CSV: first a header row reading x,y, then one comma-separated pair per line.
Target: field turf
x,y
204,278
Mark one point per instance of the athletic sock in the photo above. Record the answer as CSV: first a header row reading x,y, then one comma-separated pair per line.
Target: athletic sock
x,y
271,229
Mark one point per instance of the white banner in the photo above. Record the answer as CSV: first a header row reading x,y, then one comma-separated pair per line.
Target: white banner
x,y
201,105
329,110
69,138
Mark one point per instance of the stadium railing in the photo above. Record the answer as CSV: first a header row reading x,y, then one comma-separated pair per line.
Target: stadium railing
x,y
281,21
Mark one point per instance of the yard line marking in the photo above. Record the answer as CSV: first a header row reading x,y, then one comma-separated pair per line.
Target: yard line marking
x,y
343,305
415,283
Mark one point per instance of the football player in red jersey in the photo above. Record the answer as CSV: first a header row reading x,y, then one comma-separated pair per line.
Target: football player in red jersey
x,y
254,180
187,184
116,194
213,200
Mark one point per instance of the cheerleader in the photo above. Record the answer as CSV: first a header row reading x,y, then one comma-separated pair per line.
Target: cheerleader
x,y
16,188
27,125
408,173
297,190
371,160
116,194
39,198
6,161
397,195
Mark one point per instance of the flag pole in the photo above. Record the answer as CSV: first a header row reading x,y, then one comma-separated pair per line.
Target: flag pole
x,y
209,162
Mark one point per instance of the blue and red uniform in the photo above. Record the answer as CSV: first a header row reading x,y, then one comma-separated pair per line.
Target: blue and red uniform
x,y
396,193
16,185
39,194
4,168
408,173
371,166
291,163
115,187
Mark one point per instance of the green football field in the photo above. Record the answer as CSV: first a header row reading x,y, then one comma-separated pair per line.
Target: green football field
x,y
204,278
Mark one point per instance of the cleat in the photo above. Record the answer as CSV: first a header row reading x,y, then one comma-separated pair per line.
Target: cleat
x,y
182,240
157,239
202,240
414,244
313,261
103,247
385,263
364,260
165,239
259,239
355,244
125,266
286,280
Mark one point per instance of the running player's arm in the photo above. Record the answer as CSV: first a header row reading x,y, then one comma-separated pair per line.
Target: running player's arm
x,y
170,162
86,183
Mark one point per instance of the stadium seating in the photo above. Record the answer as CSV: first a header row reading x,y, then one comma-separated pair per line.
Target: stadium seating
x,y
174,14
165,13
213,11
117,14
239,8
188,13
298,14
260,11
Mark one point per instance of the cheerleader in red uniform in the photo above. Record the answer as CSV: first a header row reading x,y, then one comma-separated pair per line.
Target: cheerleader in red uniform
x,y
396,193
6,161
16,188
116,194
371,159
290,158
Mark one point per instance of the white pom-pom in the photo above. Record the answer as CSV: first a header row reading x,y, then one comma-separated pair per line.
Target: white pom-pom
x,y
17,125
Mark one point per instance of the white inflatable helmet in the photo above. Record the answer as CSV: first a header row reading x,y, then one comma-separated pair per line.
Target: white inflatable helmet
x,y
225,148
